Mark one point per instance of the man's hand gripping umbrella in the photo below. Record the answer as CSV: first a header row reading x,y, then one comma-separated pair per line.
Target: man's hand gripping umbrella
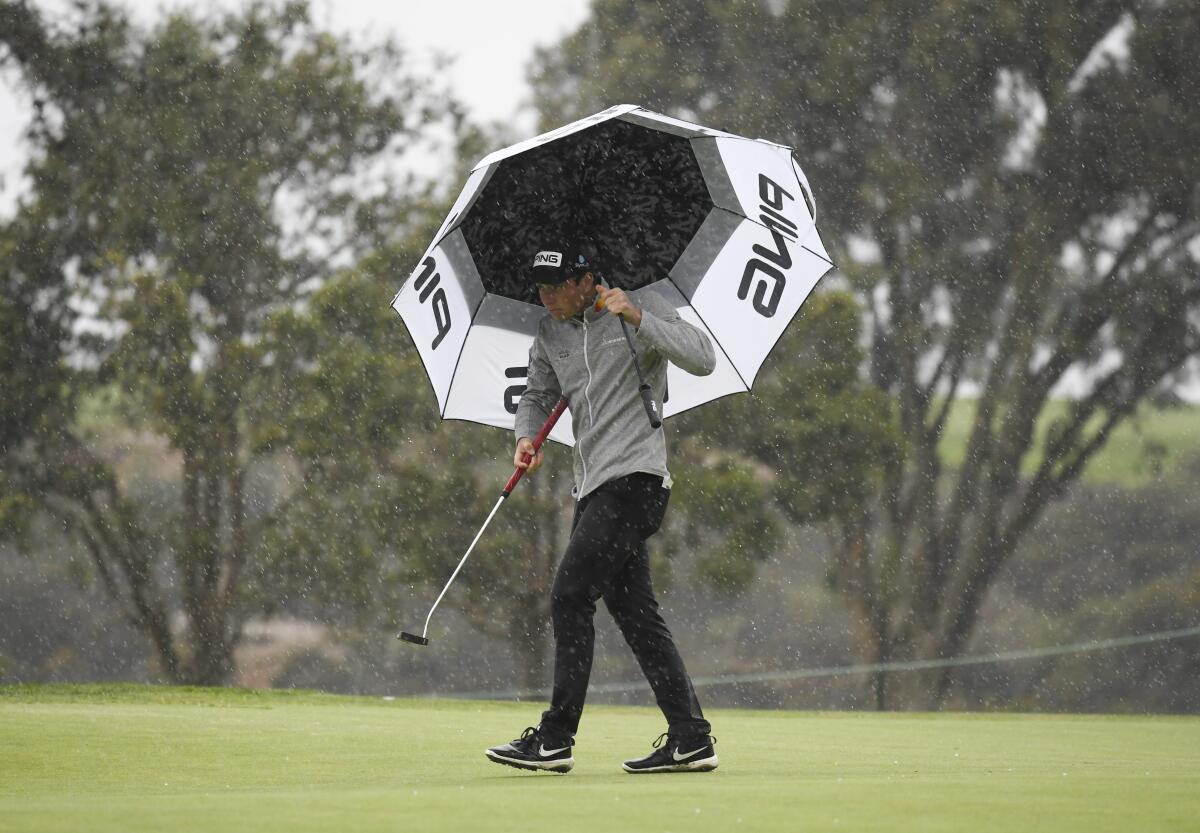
x,y
529,459
619,304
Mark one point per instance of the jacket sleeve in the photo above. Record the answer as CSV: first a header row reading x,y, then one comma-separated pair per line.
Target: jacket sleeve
x,y
687,347
541,394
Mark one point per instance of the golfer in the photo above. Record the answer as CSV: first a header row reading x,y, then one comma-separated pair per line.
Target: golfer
x,y
621,487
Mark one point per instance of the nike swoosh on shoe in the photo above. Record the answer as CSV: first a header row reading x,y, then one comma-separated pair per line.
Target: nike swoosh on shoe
x,y
675,754
544,752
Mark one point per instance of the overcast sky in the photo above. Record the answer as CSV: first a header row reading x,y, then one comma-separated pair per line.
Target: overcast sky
x,y
492,43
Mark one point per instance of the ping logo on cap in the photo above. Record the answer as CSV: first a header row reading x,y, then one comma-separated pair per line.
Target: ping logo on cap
x,y
548,259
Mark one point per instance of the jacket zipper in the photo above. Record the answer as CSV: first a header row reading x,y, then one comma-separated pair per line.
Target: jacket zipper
x,y
586,395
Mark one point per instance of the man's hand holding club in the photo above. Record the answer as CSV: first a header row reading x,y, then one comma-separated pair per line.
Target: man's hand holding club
x,y
525,457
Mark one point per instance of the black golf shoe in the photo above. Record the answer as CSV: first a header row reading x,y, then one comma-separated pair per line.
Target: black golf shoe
x,y
678,754
535,750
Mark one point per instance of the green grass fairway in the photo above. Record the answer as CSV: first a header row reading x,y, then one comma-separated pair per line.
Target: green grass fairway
x,y
125,758
1122,461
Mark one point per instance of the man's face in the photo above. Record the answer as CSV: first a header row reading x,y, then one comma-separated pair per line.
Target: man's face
x,y
566,299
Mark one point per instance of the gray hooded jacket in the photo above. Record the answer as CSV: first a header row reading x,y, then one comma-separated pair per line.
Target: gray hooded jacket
x,y
587,360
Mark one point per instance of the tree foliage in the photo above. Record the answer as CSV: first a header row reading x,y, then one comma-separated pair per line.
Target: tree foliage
x,y
809,444
1011,186
189,181
33,383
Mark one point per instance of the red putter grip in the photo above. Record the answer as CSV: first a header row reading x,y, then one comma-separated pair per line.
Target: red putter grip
x,y
537,444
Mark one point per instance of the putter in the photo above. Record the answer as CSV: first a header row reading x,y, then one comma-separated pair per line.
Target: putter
x,y
423,639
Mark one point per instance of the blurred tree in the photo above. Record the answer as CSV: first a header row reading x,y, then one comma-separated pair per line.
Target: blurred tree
x,y
811,443
33,377
1012,187
186,182
1111,561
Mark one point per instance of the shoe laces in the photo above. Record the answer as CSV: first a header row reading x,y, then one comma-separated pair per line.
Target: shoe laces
x,y
677,739
533,734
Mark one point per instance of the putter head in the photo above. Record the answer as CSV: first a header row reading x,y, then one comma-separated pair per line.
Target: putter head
x,y
405,636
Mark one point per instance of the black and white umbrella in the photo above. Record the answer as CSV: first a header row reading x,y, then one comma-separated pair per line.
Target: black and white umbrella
x,y
722,226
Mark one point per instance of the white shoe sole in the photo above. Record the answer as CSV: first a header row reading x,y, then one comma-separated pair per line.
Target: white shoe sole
x,y
702,765
561,765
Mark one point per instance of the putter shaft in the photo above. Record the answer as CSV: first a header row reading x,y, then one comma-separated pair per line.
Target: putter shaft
x,y
423,639
478,535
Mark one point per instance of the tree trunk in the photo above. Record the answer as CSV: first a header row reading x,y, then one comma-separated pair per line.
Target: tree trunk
x,y
208,497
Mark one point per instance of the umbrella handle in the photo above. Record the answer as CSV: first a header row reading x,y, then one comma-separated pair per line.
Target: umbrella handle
x,y
547,427
651,405
648,402
653,412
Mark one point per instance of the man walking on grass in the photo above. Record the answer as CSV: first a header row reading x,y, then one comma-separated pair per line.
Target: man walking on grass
x,y
621,487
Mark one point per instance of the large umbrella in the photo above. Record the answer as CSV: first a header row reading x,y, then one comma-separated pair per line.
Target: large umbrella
x,y
721,226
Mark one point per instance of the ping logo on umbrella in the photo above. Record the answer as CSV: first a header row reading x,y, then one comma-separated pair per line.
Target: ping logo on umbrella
x,y
782,229
439,304
513,393
548,259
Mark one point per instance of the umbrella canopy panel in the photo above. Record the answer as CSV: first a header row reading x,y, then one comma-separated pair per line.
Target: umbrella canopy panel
x,y
630,197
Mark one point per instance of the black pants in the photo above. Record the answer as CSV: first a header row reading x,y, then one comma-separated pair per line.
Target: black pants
x,y
607,559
